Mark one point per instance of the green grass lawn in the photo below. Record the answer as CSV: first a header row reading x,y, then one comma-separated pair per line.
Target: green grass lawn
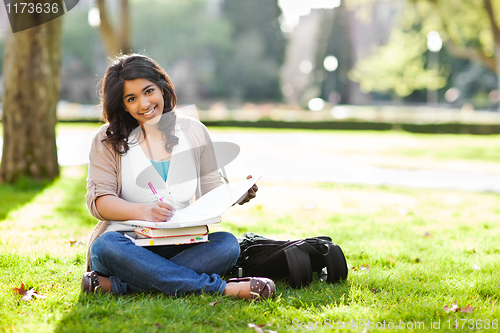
x,y
424,249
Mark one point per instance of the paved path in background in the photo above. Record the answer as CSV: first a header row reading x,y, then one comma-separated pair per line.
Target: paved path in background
x,y
305,157
308,157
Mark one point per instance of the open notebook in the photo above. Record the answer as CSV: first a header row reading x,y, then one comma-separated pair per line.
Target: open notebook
x,y
205,210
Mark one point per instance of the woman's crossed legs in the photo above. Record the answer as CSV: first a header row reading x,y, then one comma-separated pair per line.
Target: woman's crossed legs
x,y
172,269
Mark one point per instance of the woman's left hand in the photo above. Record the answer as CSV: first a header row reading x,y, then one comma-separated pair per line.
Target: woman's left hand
x,y
252,193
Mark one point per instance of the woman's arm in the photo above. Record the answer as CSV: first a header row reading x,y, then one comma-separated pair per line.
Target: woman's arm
x,y
103,172
114,208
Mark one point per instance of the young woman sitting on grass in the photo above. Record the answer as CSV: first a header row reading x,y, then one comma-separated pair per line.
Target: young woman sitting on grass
x,y
142,129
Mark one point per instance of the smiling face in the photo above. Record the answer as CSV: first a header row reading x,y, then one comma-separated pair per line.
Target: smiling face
x,y
143,100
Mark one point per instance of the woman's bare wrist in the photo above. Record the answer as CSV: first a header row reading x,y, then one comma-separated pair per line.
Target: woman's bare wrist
x,y
142,212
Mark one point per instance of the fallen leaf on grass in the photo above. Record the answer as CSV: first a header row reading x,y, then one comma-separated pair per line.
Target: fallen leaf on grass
x,y
456,308
467,309
27,294
215,302
361,268
74,242
258,328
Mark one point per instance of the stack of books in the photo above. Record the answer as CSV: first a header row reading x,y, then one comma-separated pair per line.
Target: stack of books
x,y
145,236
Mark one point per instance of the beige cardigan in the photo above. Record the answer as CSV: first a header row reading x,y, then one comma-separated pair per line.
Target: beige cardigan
x,y
104,176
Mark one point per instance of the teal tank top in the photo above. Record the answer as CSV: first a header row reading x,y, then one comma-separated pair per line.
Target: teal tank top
x,y
162,168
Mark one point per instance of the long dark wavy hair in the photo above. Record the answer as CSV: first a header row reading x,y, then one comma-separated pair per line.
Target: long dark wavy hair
x,y
121,123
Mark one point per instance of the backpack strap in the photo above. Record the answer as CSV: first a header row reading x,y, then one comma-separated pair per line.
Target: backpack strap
x,y
319,239
299,265
335,262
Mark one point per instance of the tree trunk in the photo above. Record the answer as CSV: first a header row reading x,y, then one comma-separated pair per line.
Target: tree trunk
x,y
125,27
108,35
32,83
115,42
497,56
495,29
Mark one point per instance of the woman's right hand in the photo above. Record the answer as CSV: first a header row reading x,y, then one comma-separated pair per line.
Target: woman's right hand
x,y
158,212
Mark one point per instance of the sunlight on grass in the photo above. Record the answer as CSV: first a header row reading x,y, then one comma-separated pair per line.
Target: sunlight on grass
x,y
52,217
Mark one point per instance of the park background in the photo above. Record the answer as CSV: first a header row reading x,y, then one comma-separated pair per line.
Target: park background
x,y
374,122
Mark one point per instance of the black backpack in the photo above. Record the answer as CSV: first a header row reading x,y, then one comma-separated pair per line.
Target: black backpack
x,y
292,261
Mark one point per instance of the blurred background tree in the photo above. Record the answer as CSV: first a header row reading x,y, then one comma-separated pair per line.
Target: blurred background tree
x,y
398,67
250,68
338,44
116,39
182,36
237,51
211,49
469,30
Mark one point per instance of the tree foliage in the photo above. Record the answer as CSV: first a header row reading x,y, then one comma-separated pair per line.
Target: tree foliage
x,y
398,66
469,30
177,29
467,27
236,53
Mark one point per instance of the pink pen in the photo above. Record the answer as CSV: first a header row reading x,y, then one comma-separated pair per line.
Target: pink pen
x,y
154,191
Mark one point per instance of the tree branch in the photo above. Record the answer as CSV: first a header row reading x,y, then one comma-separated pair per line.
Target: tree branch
x,y
125,26
107,32
494,26
467,53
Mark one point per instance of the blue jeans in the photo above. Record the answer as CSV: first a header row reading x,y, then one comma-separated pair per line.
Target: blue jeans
x,y
171,269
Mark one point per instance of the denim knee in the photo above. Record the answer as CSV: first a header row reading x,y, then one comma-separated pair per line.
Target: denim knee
x,y
105,245
231,247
